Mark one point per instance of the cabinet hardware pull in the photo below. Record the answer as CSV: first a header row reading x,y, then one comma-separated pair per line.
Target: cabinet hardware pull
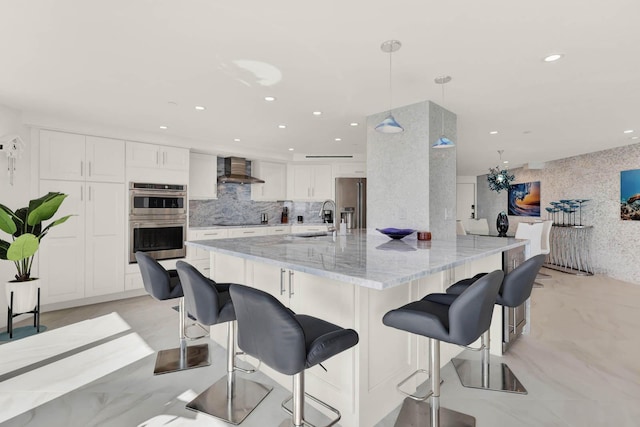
x,y
291,293
81,194
89,193
157,157
282,271
89,168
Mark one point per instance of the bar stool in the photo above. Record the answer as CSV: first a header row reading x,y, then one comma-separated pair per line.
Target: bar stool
x,y
515,290
460,322
230,399
162,285
287,342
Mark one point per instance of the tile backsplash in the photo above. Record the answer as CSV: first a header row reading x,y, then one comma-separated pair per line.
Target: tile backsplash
x,y
234,206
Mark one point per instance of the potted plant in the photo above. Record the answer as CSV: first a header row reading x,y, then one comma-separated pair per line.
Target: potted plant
x,y
26,230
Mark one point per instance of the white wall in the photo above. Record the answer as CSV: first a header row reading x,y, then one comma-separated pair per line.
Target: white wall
x,y
12,196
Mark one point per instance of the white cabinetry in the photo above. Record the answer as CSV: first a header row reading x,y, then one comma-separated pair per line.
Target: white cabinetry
x,y
199,258
203,176
353,170
85,256
279,229
311,182
319,228
76,157
247,232
274,176
153,156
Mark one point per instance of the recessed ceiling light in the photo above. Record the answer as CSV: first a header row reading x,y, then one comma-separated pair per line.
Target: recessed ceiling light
x,y
635,137
354,124
290,149
506,162
628,131
282,126
317,113
269,98
200,108
338,139
554,57
493,132
164,127
236,139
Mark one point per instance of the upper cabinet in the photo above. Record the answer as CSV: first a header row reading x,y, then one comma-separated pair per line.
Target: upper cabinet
x,y
141,155
311,182
353,170
68,156
274,176
203,176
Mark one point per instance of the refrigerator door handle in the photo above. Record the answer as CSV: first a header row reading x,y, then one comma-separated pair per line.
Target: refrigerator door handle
x,y
359,204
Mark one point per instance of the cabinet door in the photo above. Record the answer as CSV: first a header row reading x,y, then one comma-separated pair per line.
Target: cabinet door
x,y
202,254
105,159
283,229
203,176
272,280
142,155
174,158
61,254
105,253
274,176
62,156
322,182
247,232
301,185
356,170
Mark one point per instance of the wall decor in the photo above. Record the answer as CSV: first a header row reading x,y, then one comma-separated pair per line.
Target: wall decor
x,y
630,195
524,199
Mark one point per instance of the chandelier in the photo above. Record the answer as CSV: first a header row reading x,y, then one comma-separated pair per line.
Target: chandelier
x,y
499,179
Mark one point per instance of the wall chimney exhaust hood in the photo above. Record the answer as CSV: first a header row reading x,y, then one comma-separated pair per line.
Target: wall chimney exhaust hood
x,y
235,172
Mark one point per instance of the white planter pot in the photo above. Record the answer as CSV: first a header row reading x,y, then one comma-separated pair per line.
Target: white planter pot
x,y
25,295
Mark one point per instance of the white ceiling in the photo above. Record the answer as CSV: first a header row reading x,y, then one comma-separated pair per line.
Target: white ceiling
x,y
121,62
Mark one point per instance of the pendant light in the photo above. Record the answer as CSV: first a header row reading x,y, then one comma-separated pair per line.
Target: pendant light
x,y
389,124
499,179
443,141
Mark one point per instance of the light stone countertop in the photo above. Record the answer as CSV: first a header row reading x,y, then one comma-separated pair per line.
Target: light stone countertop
x,y
222,226
368,260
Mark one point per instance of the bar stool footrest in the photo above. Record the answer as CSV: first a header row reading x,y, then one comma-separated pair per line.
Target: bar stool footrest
x,y
413,396
288,423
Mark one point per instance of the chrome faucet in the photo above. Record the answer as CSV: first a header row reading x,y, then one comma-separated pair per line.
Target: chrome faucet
x,y
333,215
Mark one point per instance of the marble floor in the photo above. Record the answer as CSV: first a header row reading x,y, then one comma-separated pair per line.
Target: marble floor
x,y
94,367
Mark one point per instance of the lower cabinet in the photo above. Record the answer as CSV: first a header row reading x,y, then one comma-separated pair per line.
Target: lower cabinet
x,y
199,258
85,256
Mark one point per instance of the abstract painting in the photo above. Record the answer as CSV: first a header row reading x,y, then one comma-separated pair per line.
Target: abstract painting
x,y
630,195
524,199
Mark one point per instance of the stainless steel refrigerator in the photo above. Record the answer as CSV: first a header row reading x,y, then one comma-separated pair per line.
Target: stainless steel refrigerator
x,y
351,202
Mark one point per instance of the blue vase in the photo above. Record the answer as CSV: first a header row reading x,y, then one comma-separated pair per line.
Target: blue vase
x,y
502,224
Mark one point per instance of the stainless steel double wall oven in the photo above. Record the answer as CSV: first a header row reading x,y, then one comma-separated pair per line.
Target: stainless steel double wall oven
x,y
157,220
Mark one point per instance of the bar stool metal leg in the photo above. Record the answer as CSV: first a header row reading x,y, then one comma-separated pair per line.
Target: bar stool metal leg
x,y
231,398
415,413
183,357
486,375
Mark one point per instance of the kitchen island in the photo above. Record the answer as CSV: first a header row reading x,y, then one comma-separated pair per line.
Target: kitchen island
x,y
352,280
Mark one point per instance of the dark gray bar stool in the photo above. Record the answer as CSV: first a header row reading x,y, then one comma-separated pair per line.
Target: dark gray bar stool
x,y
162,285
230,398
515,290
287,342
461,322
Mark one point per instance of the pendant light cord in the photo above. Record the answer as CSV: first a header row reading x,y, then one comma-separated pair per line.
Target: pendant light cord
x,y
390,85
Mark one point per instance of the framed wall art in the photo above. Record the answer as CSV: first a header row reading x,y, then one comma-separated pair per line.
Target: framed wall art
x,y
630,195
524,199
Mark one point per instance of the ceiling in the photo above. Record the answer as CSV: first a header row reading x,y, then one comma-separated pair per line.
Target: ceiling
x,y
141,64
